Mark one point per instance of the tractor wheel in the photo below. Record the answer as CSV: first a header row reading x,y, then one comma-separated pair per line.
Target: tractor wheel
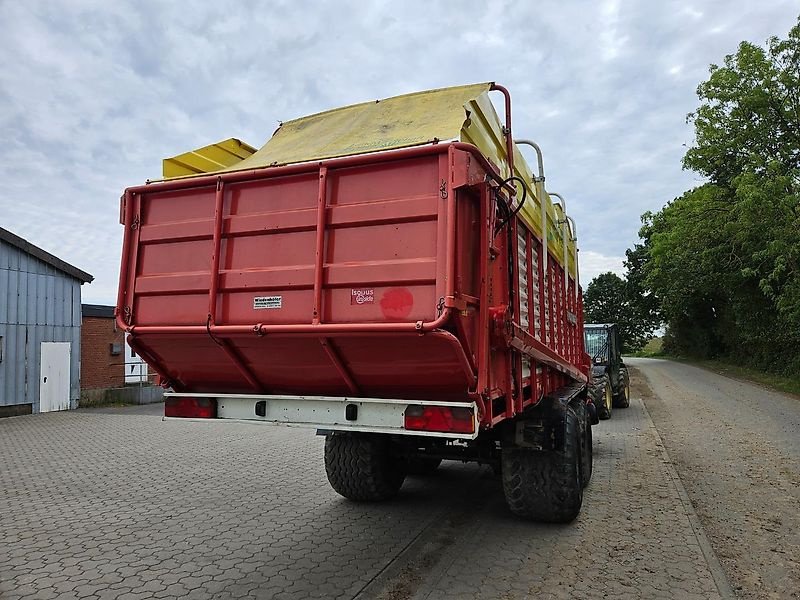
x,y
422,465
602,396
360,467
546,486
623,397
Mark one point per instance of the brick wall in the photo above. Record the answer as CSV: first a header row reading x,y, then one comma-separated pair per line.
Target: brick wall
x,y
99,368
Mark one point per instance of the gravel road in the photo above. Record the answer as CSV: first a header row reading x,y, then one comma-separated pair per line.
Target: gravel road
x,y
736,447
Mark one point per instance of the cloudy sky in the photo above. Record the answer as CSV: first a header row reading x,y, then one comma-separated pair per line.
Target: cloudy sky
x,y
94,94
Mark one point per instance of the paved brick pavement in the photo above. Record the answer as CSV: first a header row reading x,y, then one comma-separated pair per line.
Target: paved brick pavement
x,y
116,503
636,536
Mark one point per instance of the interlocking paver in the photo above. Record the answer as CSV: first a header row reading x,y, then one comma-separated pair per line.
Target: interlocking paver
x,y
633,539
118,504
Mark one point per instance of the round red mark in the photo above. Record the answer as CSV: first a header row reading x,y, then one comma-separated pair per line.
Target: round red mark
x,y
397,303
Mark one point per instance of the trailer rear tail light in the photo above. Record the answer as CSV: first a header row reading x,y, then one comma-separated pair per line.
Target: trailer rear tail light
x,y
444,419
196,408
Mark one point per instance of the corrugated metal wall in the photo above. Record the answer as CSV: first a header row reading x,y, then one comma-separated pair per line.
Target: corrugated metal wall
x,y
38,303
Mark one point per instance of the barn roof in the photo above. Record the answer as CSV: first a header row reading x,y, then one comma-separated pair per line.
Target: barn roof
x,y
44,256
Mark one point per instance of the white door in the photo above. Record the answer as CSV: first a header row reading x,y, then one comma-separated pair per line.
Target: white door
x,y
54,377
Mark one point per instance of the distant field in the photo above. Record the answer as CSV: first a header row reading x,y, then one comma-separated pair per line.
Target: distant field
x,y
654,346
651,348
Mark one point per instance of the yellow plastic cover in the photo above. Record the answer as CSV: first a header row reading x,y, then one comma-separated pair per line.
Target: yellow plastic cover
x,y
207,159
463,113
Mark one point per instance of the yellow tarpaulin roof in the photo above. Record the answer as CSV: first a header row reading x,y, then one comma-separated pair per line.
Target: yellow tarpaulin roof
x,y
462,113
398,122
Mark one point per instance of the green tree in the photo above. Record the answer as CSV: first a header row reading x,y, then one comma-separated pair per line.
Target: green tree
x,y
720,263
749,114
747,131
643,299
608,299
604,300
686,270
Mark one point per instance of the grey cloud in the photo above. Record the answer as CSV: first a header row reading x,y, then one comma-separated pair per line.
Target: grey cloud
x,y
94,94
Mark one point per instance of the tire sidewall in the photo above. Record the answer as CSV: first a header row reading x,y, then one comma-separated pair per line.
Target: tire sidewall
x,y
623,399
598,392
361,467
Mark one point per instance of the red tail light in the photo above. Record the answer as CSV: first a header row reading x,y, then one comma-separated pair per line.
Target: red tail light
x,y
439,418
196,408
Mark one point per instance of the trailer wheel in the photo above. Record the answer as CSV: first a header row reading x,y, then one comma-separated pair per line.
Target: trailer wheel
x,y
422,465
546,486
623,398
602,396
360,467
586,444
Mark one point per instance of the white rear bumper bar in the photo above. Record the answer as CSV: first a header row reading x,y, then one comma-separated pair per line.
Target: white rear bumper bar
x,y
373,415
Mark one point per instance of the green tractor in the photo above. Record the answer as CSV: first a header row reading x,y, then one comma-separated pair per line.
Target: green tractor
x,y
610,385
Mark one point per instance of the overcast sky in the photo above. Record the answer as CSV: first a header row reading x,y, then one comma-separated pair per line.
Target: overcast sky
x,y
94,94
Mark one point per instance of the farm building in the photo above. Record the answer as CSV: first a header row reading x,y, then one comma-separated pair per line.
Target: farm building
x,y
40,328
102,349
110,370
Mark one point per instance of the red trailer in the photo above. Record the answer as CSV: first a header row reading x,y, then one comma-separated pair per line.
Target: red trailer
x,y
401,302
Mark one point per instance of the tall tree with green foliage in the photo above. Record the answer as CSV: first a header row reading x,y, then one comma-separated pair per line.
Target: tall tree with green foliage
x,y
608,299
723,260
646,303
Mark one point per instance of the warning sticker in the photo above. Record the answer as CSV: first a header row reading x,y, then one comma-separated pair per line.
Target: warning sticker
x,y
362,296
260,302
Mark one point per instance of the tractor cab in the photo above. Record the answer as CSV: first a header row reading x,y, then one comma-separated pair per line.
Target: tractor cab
x,y
602,343
610,383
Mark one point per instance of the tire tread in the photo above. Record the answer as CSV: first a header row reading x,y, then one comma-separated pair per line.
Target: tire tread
x,y
360,467
543,485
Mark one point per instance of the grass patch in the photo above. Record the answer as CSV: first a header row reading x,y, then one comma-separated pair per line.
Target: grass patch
x,y
127,396
781,383
107,404
651,349
99,401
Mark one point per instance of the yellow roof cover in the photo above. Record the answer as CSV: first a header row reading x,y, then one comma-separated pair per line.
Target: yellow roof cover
x,y
462,113
398,122
206,159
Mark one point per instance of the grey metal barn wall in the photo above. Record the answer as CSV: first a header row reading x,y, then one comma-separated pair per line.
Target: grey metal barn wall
x,y
38,303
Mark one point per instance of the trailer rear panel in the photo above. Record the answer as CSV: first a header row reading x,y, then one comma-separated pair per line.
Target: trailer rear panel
x,y
346,247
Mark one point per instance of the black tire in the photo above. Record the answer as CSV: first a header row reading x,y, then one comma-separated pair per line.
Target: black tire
x,y
546,486
622,399
586,443
360,467
602,396
422,465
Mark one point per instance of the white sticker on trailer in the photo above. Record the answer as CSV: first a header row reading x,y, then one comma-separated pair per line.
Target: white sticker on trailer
x,y
260,302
